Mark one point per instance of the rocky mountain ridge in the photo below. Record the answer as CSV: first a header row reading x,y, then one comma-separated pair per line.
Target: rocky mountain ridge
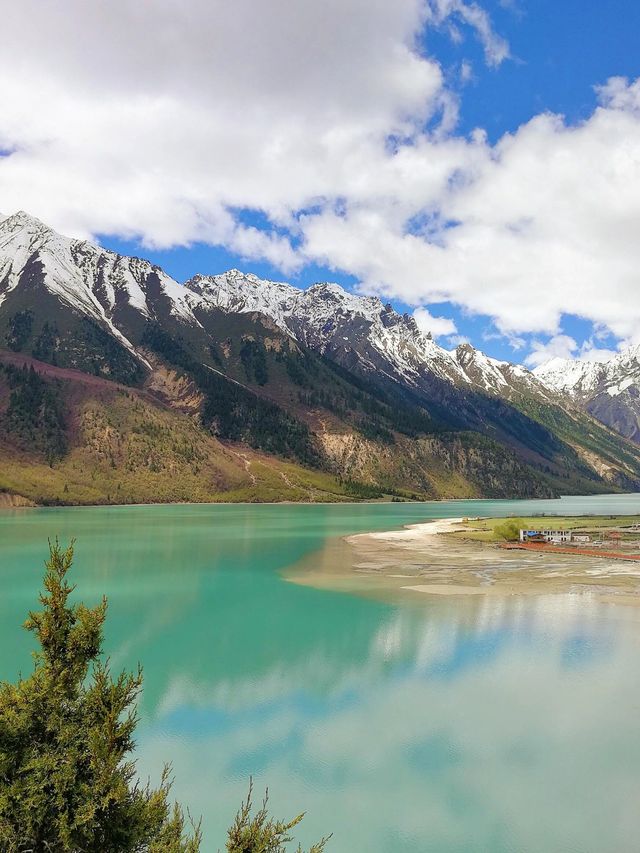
x,y
109,288
333,321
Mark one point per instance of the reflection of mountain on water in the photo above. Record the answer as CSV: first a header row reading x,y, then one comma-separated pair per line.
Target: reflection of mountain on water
x,y
364,644
428,724
454,635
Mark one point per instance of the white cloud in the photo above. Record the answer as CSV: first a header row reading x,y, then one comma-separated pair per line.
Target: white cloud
x,y
466,72
457,340
438,326
559,346
496,48
566,347
619,94
161,120
157,119
545,225
589,351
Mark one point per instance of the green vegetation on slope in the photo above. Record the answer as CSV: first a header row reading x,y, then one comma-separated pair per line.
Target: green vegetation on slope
x,y
375,411
377,439
19,329
118,445
125,446
586,440
355,440
34,416
302,381
254,361
233,412
69,341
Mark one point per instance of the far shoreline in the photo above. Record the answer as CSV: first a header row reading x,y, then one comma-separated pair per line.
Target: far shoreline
x,y
33,505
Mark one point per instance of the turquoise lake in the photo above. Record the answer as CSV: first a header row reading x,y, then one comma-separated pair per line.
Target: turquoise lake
x,y
406,727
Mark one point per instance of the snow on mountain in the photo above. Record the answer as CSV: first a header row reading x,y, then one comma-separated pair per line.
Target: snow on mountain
x,y
238,292
584,379
31,251
111,289
93,281
331,320
609,390
578,378
343,325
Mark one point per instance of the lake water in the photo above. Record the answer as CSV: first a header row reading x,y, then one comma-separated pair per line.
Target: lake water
x,y
414,727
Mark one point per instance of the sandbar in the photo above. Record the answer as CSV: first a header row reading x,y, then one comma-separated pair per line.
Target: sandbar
x,y
425,559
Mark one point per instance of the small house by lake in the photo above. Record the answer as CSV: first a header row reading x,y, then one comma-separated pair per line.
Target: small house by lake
x,y
554,537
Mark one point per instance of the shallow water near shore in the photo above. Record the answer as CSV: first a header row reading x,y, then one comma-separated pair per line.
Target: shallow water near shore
x,y
430,723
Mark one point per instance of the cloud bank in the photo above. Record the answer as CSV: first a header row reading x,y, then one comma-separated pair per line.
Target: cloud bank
x,y
166,122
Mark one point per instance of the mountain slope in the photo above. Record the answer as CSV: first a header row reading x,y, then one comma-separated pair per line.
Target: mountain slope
x,y
338,383
461,390
608,390
66,437
371,437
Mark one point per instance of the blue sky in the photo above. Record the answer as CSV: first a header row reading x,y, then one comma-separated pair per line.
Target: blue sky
x,y
560,51
339,141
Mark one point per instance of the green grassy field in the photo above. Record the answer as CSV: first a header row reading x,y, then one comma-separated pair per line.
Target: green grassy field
x,y
493,529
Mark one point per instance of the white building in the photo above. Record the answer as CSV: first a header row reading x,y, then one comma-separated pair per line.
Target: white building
x,y
555,537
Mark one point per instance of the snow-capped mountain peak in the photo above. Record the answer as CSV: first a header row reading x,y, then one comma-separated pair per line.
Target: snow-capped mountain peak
x,y
92,281
238,292
328,318
568,375
33,254
582,378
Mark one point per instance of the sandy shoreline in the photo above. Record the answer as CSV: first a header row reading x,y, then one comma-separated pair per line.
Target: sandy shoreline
x,y
410,533
426,560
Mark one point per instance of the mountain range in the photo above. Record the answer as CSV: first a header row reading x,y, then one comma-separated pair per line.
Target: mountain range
x,y
609,390
119,384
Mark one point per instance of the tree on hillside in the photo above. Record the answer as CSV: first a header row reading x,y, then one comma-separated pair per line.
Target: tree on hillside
x,y
67,779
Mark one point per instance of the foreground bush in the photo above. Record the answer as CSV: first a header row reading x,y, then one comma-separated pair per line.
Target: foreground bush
x,y
67,780
262,834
